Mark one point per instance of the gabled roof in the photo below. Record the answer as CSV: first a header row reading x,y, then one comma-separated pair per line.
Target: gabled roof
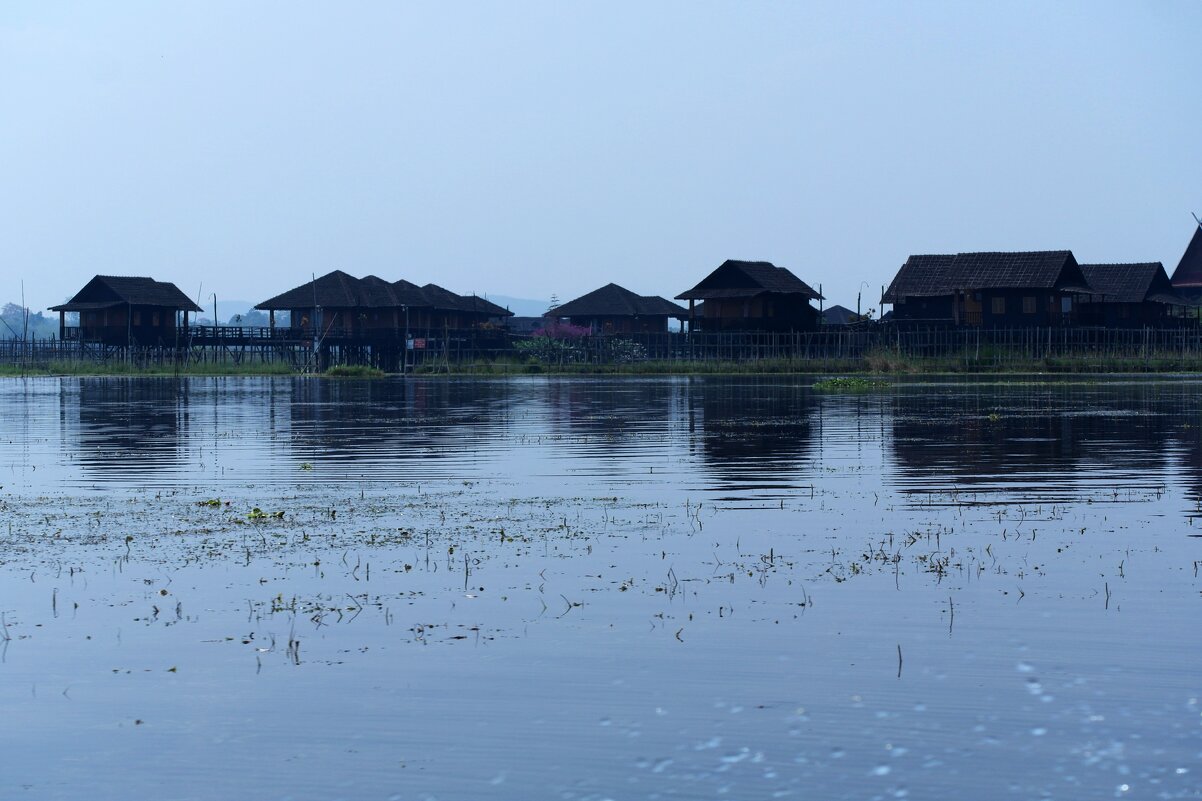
x,y
922,276
106,291
745,279
946,274
333,290
1188,274
612,300
1130,283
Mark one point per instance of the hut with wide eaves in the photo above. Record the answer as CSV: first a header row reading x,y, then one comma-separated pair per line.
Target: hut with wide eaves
x,y
613,309
752,296
127,310
1187,278
1130,296
991,290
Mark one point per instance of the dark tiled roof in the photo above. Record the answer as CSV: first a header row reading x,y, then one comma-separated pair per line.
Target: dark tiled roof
x,y
332,290
744,279
376,293
922,275
442,298
1189,270
446,299
479,305
1127,283
416,297
105,291
339,290
945,274
612,300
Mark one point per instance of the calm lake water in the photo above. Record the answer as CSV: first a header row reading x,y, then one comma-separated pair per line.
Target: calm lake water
x,y
676,588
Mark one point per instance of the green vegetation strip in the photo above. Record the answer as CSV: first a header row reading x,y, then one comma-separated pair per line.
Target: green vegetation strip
x,y
850,384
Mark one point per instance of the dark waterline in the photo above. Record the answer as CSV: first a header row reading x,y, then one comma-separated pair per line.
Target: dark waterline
x,y
595,588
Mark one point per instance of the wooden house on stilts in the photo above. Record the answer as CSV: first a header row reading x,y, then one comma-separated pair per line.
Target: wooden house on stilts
x,y
990,290
752,296
127,311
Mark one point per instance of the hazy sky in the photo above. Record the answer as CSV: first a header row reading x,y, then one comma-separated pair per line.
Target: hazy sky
x,y
536,148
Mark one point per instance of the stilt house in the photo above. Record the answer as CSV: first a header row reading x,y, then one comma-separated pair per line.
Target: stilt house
x,y
1038,288
752,296
127,310
339,305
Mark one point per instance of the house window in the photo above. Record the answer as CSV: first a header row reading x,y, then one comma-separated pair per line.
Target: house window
x,y
1066,305
137,318
998,305
154,318
1029,305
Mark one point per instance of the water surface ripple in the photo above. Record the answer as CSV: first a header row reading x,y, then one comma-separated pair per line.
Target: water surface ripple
x,y
718,587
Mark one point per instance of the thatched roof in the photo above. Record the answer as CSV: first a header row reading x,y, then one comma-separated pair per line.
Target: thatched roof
x,y
1188,274
612,300
106,291
746,279
1131,283
946,274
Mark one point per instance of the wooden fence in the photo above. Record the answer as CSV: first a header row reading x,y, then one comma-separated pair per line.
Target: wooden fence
x,y
971,347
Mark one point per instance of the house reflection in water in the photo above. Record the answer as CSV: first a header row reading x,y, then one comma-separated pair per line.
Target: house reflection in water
x,y
976,444
394,420
125,426
755,436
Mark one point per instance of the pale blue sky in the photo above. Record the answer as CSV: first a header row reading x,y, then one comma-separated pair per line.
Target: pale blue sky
x,y
551,147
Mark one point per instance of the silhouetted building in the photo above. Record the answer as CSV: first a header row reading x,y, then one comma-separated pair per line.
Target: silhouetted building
x,y
127,310
752,296
1129,295
1187,278
615,310
338,305
1037,288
